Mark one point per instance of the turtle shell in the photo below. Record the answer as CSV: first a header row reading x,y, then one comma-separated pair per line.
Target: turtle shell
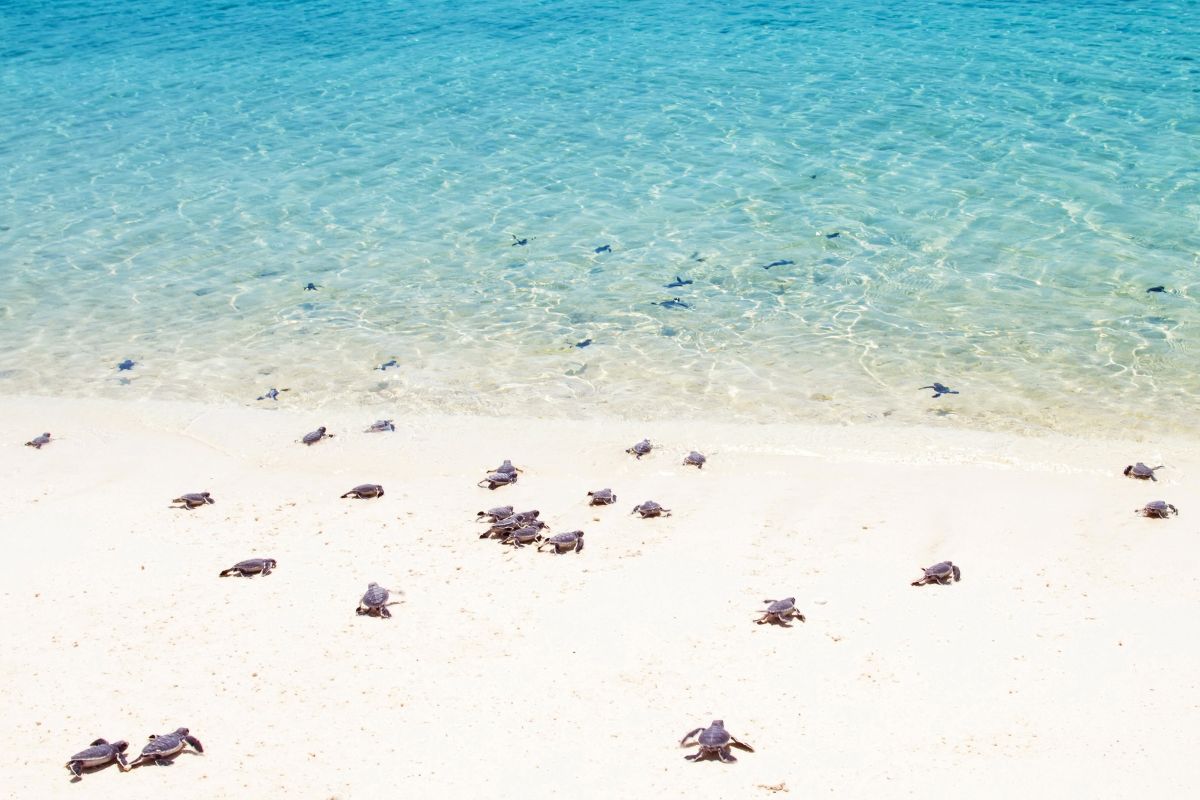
x,y
375,596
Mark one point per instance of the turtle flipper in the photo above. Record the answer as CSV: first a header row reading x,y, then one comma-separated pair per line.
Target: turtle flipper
x,y
740,745
194,742
122,763
957,574
694,756
98,742
726,756
76,767
689,735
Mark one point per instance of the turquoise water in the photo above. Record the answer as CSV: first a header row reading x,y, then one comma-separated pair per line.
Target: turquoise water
x,y
977,193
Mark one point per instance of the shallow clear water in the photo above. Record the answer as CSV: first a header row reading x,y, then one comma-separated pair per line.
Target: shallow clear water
x,y
1004,179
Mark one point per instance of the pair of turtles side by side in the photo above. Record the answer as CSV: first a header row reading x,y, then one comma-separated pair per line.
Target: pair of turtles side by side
x,y
193,500
313,437
97,754
601,497
250,567
1141,471
564,542
714,742
380,425
502,475
38,442
779,612
162,749
1157,509
365,491
513,522
374,602
942,573
650,509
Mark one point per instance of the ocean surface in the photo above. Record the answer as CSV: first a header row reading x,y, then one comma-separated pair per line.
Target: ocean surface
x,y
977,193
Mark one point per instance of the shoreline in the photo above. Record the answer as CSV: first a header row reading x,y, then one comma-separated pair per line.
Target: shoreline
x,y
512,673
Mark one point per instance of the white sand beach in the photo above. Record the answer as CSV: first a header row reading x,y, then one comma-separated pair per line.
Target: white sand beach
x,y
1063,664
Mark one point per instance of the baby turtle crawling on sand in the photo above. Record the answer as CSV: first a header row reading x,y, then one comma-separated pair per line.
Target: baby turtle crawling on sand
x,y
37,441
602,497
1157,509
651,509
365,491
640,449
249,567
508,468
515,522
375,602
315,436
1141,471
942,572
99,753
780,611
564,542
526,535
694,459
194,500
494,514
162,748
714,741
495,479
380,425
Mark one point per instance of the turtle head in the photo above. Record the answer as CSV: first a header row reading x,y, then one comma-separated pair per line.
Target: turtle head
x,y
181,731
120,746
718,723
321,430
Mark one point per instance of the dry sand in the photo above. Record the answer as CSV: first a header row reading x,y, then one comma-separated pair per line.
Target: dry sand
x,y
1065,662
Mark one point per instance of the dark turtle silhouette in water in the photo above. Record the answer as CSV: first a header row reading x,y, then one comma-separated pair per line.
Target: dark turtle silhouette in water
x,y
583,344
311,287
526,535
939,389
515,522
781,263
374,602
364,491
249,567
1141,471
602,497
517,242
942,572
640,449
694,459
194,500
678,283
1157,509
97,754
780,611
1156,289
127,364
380,425
496,479
651,509
391,363
604,248
315,436
271,394
38,441
714,741
564,542
162,748
494,514
674,302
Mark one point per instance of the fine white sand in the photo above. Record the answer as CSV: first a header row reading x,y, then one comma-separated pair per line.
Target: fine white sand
x,y
1064,664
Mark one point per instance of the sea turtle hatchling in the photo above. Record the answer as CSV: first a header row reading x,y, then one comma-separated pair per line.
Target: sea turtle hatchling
x,y
99,753
380,425
564,542
714,741
651,509
640,449
313,437
602,497
780,611
1157,509
1141,471
194,500
939,389
365,491
694,459
494,514
38,441
507,468
162,748
374,602
250,567
496,479
526,535
942,572
515,522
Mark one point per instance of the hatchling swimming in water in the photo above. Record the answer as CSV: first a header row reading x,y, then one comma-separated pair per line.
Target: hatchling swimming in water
x,y
1157,509
315,436
651,509
640,449
99,753
494,514
380,425
162,748
942,572
714,741
194,500
602,497
564,542
1141,471
526,535
496,479
780,611
694,459
365,491
249,567
374,602
38,441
